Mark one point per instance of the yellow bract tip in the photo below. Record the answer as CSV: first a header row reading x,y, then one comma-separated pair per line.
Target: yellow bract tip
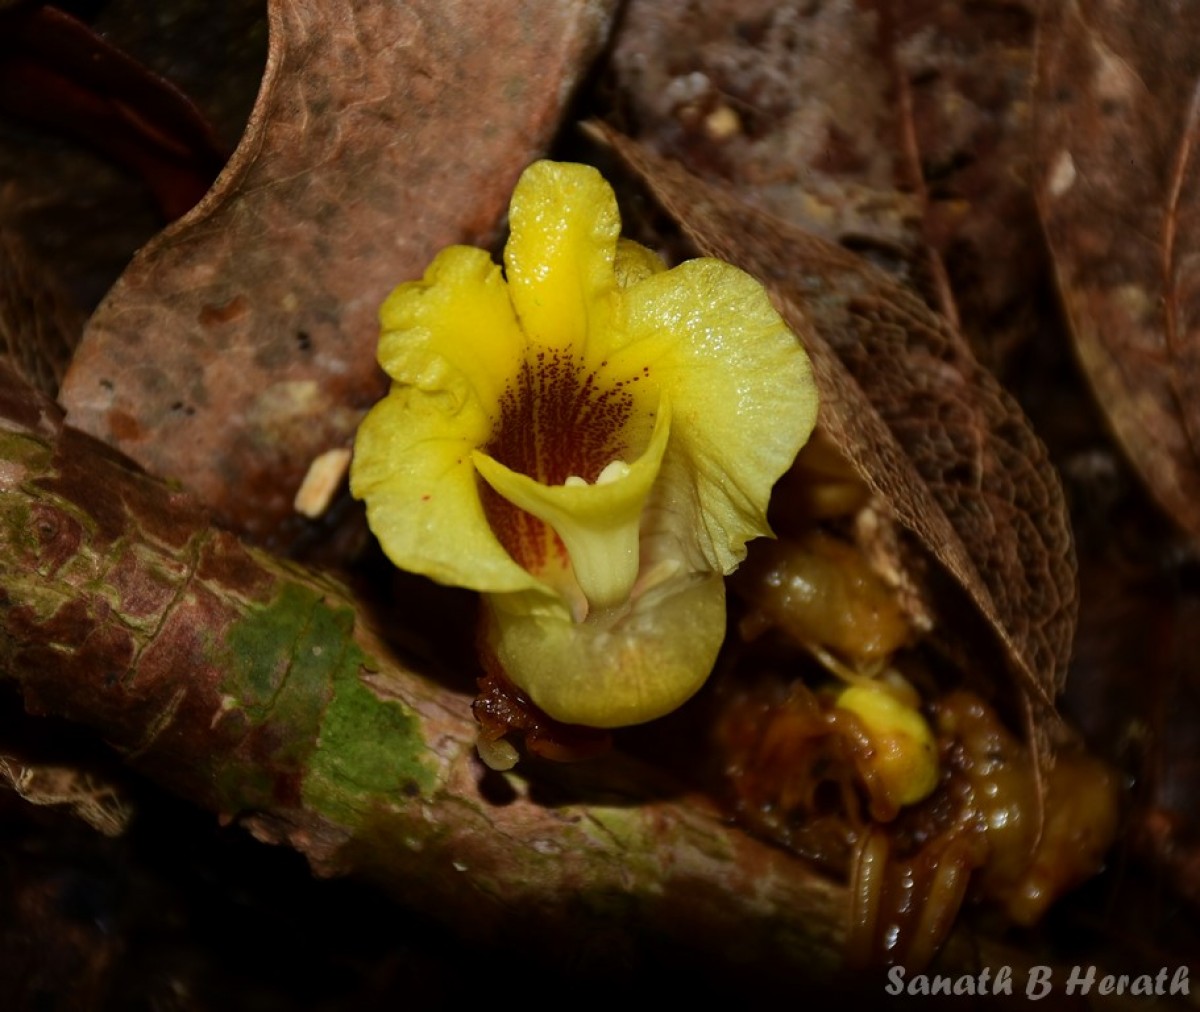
x,y
904,755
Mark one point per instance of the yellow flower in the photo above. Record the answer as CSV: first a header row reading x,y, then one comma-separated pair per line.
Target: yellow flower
x,y
587,438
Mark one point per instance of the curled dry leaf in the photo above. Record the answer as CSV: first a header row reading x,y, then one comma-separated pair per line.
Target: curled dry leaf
x,y
1117,119
239,345
930,431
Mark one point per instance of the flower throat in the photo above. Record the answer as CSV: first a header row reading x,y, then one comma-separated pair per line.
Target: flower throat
x,y
557,420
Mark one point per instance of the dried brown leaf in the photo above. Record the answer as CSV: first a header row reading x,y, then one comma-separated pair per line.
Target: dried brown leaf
x,y
931,432
1117,117
239,345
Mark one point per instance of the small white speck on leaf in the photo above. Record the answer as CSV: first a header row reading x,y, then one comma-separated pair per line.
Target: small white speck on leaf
x,y
324,478
1062,174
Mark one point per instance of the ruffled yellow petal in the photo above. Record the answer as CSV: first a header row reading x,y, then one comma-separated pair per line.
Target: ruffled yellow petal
x,y
559,258
459,314
639,668
412,465
599,524
742,394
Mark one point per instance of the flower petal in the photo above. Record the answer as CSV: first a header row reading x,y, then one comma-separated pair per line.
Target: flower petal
x,y
599,524
412,465
742,393
635,263
641,667
559,257
459,314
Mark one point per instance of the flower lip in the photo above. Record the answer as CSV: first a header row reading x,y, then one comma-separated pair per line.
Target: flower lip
x,y
560,424
598,523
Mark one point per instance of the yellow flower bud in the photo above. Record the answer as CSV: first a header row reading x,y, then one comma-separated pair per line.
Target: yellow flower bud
x,y
903,755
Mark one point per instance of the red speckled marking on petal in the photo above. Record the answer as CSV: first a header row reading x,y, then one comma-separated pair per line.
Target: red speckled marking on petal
x,y
556,420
